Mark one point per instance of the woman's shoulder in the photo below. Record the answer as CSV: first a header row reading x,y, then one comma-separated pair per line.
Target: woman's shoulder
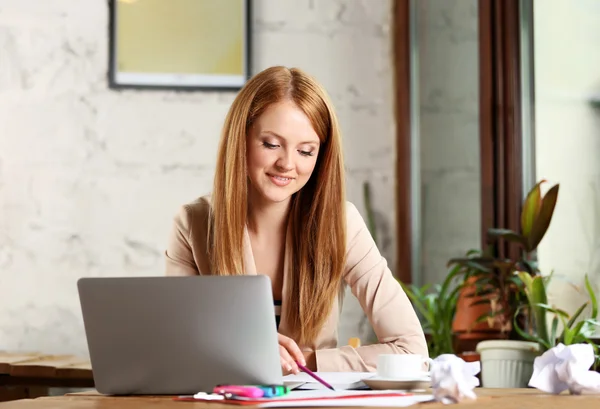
x,y
194,213
358,234
351,210
354,219
187,246
200,205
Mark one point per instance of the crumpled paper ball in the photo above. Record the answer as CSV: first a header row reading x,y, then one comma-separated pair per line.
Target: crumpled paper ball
x,y
566,368
453,379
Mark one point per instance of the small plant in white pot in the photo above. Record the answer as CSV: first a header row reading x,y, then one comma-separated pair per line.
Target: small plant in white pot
x,y
509,364
495,279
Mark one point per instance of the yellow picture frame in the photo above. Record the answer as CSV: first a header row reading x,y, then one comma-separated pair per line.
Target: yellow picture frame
x,y
179,44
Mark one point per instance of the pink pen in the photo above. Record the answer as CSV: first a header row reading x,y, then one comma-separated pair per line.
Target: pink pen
x,y
314,375
239,390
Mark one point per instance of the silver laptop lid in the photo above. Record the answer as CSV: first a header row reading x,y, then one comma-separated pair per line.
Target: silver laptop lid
x,y
179,335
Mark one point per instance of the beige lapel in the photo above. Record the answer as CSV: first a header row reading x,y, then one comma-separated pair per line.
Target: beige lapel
x,y
249,264
285,291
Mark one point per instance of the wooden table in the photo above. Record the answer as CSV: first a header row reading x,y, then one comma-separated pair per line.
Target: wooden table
x,y
487,399
27,375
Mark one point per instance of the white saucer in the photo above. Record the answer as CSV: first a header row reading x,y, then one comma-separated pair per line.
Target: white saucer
x,y
413,383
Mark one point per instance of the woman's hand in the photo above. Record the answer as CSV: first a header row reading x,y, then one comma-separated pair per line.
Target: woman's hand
x,y
289,353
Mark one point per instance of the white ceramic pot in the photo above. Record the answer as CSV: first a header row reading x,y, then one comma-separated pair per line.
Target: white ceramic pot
x,y
507,364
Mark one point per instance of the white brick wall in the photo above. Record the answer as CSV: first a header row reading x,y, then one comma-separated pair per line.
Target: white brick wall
x,y
90,178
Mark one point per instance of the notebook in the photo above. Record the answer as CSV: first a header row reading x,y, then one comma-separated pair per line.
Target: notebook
x,y
339,380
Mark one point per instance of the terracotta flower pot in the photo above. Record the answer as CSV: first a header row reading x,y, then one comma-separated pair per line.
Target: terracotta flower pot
x,y
468,331
470,356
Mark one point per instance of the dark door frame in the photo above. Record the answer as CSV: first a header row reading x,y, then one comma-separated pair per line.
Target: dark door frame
x,y
501,138
401,48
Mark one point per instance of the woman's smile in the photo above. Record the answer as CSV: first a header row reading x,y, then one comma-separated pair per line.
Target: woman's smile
x,y
280,180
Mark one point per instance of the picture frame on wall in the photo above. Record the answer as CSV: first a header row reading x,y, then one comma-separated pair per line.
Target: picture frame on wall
x,y
179,44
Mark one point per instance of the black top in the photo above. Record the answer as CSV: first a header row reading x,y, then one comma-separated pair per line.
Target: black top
x,y
277,312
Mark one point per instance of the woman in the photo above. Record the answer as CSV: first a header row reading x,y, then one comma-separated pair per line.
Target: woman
x,y
278,208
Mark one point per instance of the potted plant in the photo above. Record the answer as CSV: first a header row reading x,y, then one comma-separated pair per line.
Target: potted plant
x,y
436,308
495,282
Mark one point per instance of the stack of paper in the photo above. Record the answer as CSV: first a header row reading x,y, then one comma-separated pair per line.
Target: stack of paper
x,y
365,399
327,398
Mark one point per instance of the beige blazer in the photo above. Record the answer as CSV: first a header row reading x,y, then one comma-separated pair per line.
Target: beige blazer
x,y
381,297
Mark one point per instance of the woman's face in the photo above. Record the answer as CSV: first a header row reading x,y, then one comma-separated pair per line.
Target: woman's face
x,y
282,150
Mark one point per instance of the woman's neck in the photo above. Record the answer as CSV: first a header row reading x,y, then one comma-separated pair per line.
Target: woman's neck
x,y
267,218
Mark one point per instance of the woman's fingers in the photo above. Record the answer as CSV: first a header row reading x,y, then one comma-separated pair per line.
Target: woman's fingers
x,y
290,353
287,362
292,348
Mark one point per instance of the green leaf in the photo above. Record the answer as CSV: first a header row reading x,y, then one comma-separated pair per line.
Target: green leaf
x,y
479,302
482,279
528,337
589,327
583,330
553,330
516,280
416,301
423,290
527,280
450,305
481,293
483,317
475,262
477,267
531,208
568,336
562,337
457,261
576,315
541,223
548,278
508,235
537,298
593,299
557,311
530,266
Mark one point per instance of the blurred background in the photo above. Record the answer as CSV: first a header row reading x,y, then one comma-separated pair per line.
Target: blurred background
x,y
451,110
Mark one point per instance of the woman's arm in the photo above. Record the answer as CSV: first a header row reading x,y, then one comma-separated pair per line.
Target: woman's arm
x,y
179,255
383,300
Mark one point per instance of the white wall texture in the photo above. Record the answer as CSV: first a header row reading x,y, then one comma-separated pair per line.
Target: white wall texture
x,y
90,178
449,132
567,76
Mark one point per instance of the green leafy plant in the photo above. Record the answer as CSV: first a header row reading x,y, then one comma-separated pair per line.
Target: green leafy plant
x,y
494,280
436,310
573,331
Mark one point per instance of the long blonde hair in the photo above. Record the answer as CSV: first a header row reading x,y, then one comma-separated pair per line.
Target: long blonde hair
x,y
317,215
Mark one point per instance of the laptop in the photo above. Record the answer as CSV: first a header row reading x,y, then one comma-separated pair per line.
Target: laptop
x,y
179,335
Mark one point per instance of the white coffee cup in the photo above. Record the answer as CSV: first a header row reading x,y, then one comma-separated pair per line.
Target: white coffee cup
x,y
402,366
